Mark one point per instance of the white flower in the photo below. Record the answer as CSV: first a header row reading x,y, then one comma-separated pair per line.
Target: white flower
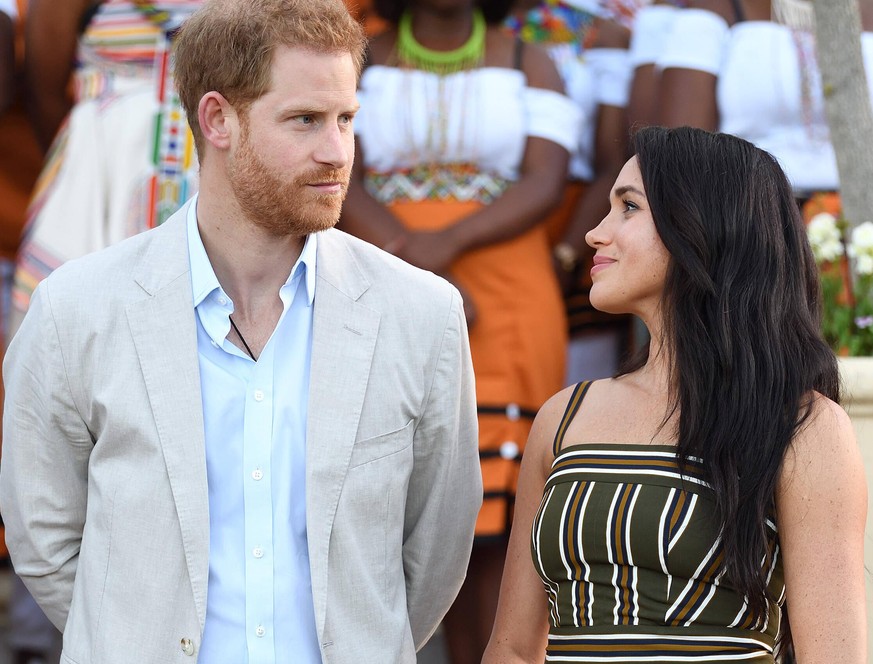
x,y
824,237
861,248
862,237
864,264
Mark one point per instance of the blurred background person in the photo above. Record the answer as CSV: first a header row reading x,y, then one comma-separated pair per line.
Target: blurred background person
x,y
464,136
588,42
8,14
749,68
19,155
120,155
30,637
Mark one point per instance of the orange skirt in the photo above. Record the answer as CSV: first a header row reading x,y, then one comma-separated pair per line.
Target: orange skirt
x,y
518,343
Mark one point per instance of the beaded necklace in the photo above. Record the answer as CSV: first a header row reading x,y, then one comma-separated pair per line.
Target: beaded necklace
x,y
467,56
410,54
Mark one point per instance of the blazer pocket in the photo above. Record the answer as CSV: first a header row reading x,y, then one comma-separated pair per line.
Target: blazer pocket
x,y
377,447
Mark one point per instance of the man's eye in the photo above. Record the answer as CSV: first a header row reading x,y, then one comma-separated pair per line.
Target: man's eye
x,y
305,119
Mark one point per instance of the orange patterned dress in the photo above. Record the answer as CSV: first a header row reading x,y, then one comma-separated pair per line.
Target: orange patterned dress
x,y
437,148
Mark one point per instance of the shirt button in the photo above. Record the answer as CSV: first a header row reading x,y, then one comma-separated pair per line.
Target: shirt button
x,y
260,631
257,474
222,300
513,412
187,646
258,552
259,395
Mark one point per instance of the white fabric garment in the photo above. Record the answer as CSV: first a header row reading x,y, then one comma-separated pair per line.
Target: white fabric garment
x,y
652,25
9,7
480,117
762,68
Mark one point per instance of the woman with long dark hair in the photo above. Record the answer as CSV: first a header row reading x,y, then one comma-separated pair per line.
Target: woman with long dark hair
x,y
714,487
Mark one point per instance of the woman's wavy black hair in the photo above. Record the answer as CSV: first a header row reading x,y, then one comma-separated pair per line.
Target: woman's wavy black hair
x,y
741,309
495,11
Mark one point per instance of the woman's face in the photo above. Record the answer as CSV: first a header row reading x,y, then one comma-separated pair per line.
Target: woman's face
x,y
630,264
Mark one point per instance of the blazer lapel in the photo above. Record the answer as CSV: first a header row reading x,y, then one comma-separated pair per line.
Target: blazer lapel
x,y
343,339
165,336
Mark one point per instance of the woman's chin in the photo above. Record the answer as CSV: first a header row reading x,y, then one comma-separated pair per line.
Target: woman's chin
x,y
608,305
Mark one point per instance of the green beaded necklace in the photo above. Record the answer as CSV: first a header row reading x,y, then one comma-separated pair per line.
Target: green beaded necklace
x,y
466,56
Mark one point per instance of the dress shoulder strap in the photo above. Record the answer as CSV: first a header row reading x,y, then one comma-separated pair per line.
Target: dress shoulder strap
x,y
569,413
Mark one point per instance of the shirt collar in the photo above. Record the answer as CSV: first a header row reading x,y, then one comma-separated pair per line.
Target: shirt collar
x,y
204,281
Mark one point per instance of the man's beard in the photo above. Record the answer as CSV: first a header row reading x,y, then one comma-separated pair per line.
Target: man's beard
x,y
283,206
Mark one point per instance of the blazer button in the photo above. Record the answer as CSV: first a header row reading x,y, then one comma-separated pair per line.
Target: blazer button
x,y
187,646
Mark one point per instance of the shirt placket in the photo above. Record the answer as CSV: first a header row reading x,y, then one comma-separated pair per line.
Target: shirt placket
x,y
257,495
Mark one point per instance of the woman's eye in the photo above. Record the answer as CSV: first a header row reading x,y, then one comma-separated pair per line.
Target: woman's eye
x,y
629,206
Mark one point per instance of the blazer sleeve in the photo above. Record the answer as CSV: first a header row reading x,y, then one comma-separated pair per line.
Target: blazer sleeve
x,y
44,469
445,490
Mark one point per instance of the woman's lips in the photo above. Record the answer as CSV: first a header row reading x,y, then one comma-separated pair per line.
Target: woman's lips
x,y
601,263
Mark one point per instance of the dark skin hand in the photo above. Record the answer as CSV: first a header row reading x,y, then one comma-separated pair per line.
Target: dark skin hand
x,y
51,35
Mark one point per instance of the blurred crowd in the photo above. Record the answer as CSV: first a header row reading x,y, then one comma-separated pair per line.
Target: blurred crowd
x,y
488,141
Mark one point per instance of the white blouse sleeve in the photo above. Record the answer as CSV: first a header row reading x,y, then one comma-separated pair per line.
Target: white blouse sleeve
x,y
651,27
612,75
553,116
697,41
9,7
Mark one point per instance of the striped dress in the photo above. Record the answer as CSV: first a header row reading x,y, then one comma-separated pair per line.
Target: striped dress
x,y
628,551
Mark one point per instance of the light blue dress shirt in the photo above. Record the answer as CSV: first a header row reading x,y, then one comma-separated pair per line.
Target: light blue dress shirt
x,y
259,600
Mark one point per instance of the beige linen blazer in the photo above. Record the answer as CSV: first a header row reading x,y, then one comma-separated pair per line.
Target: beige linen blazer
x,y
103,477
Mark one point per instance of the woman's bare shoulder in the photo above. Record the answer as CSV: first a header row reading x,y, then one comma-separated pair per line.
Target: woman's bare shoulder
x,y
824,448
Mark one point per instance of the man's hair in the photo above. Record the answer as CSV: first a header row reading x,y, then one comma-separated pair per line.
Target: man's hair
x,y
227,46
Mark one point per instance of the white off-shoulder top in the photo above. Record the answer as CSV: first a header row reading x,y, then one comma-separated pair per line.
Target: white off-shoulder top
x,y
480,117
763,68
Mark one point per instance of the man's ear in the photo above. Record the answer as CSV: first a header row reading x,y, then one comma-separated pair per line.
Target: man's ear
x,y
217,119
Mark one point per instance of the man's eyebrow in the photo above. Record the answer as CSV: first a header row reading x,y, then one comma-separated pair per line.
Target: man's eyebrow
x,y
318,110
